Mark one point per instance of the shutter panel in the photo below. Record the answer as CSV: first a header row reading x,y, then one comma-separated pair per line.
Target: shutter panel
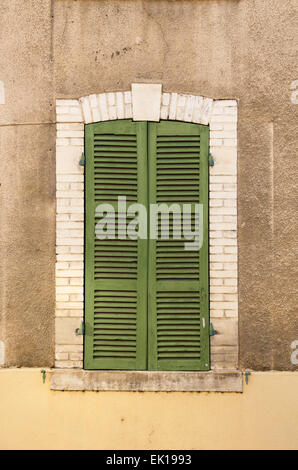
x,y
115,269
178,318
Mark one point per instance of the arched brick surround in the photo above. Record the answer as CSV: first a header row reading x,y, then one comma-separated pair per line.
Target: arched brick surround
x,y
221,116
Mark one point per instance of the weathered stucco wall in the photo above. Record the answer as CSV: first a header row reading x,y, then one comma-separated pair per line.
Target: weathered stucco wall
x,y
239,49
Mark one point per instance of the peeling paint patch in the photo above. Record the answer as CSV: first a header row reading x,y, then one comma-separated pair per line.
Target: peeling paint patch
x,y
2,93
2,353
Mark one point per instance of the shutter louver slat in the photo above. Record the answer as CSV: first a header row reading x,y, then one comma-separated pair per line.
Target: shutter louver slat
x,y
116,281
178,279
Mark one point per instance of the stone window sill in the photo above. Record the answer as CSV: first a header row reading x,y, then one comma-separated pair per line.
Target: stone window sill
x,y
146,381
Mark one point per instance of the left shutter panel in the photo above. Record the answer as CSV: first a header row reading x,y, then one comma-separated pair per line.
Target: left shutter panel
x,y
115,269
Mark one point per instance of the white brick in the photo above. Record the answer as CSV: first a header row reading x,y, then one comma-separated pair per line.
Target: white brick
x,y
231,282
128,111
215,282
199,101
189,108
68,364
223,289
103,107
223,118
69,348
74,126
223,226
215,187
80,249
62,249
70,257
62,281
62,142
68,224
173,105
231,313
62,217
127,97
120,105
223,274
69,273
214,126
214,219
227,179
206,111
230,249
215,143
69,305
230,203
61,356
166,99
215,313
225,103
146,101
225,211
70,233
62,297
216,297
62,265
77,216
223,305
69,209
215,203
223,241
216,249
222,195
220,258
224,135
231,297
67,160
74,178
76,297
69,290
69,118
230,142
164,112
63,102
77,142
216,266
86,109
69,194
76,356
76,281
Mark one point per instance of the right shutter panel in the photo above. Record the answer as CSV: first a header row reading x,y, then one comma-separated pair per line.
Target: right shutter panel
x,y
178,320
115,269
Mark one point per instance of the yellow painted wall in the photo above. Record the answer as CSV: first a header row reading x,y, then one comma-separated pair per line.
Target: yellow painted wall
x,y
32,416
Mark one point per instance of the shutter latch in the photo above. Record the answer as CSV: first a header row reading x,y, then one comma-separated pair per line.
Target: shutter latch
x,y
81,330
212,330
82,162
211,161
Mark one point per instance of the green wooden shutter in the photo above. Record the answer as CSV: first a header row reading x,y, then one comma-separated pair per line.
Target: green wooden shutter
x,y
115,270
178,319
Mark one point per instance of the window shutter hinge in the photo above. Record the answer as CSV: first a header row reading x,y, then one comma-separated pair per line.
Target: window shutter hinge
x,y
81,330
82,162
212,330
246,374
211,161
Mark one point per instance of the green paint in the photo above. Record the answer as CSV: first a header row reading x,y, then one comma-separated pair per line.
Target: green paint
x,y
44,373
134,290
177,277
